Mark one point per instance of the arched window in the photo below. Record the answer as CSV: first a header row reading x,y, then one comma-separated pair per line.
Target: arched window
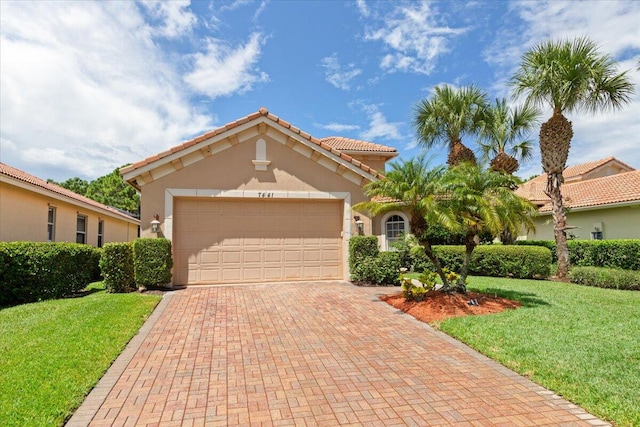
x,y
395,227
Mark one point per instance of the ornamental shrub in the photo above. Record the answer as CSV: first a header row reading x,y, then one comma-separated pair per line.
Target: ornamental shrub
x,y
35,271
606,277
152,261
382,269
549,244
621,254
523,262
116,265
361,247
519,262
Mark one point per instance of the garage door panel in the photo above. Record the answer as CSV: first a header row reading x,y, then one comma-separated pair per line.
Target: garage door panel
x,y
240,240
273,256
251,256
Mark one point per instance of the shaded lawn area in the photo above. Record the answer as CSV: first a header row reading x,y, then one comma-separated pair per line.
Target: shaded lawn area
x,y
581,342
54,352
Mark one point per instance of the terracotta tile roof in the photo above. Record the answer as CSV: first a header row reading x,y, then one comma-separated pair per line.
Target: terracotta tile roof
x,y
19,175
349,144
262,112
613,189
534,189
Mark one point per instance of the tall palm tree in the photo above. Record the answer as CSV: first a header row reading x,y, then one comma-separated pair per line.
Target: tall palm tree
x,y
448,115
482,200
411,186
567,76
505,135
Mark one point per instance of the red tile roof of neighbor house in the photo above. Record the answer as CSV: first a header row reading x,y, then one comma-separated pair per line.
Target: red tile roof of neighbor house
x,y
349,144
20,175
613,189
263,112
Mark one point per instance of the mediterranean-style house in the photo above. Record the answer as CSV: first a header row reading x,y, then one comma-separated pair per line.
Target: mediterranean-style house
x,y
260,200
602,200
32,209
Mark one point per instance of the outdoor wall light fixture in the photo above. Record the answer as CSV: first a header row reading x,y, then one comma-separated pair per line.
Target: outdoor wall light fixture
x,y
155,224
359,225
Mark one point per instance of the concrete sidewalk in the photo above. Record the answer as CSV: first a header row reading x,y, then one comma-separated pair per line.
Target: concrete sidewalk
x,y
308,354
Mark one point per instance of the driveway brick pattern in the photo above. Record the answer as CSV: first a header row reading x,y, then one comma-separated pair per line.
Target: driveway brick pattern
x,y
324,354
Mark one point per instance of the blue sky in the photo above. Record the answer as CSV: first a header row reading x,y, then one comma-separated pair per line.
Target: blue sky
x,y
89,86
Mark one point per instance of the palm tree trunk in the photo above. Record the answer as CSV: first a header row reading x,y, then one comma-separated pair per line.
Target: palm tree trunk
x,y
555,141
469,246
559,224
446,286
418,226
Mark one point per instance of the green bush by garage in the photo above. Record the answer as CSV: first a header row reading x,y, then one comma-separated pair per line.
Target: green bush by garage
x,y
35,271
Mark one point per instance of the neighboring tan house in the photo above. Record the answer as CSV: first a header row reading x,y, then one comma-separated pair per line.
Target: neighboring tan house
x,y
602,200
260,200
32,209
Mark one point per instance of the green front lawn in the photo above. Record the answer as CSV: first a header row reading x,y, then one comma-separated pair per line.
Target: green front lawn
x,y
581,342
53,352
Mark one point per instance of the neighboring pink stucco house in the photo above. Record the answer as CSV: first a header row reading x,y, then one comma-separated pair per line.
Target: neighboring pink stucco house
x,y
32,209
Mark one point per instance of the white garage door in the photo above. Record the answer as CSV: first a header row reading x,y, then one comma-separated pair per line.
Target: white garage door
x,y
241,241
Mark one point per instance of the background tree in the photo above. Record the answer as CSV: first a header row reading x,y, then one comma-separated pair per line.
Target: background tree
x,y
505,136
483,201
411,186
75,184
449,114
111,190
567,76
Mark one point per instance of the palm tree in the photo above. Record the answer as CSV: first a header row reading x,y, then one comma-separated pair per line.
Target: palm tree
x,y
449,114
567,76
411,186
505,136
482,200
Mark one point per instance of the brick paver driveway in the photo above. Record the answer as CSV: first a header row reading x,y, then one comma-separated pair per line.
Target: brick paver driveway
x,y
308,354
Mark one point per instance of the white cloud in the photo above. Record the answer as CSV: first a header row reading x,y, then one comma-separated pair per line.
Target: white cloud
x,y
379,127
258,12
338,76
414,37
613,25
339,127
224,70
84,89
363,8
175,16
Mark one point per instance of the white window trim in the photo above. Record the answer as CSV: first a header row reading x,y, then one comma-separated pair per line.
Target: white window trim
x,y
384,243
170,193
100,233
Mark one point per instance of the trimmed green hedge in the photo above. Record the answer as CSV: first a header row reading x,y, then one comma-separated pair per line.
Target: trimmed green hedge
x,y
361,247
496,260
606,277
117,267
35,271
549,244
152,261
622,253
383,269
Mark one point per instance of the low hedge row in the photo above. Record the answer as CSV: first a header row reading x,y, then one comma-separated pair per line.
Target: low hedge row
x,y
606,277
623,253
35,271
522,262
145,262
497,260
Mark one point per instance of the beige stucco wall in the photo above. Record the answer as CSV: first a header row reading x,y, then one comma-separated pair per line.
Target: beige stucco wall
x,y
617,223
23,217
232,169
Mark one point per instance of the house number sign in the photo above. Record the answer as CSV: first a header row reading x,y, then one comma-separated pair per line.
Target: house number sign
x,y
265,195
